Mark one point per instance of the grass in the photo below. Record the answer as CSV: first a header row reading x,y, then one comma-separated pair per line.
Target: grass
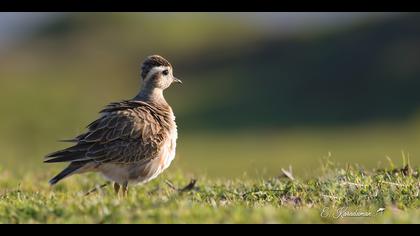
x,y
327,198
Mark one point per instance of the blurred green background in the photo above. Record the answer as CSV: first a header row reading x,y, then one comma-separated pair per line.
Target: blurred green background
x,y
261,91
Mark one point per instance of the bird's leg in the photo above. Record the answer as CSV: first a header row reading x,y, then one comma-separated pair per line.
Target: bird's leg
x,y
116,188
125,189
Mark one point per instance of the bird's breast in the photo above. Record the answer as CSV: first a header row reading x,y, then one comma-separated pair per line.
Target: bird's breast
x,y
168,154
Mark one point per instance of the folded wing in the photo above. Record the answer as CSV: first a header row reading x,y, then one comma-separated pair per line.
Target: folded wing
x,y
128,132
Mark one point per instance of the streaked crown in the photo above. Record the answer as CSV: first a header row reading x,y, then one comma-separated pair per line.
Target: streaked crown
x,y
151,62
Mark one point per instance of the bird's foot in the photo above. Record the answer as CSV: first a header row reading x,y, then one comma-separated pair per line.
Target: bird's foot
x,y
125,189
116,188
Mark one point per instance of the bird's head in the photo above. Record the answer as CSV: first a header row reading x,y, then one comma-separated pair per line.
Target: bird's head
x,y
157,72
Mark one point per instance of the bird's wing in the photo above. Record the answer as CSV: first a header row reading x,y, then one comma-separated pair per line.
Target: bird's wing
x,y
128,132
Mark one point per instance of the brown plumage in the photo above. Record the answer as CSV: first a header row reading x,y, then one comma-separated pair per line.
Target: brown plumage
x,y
134,140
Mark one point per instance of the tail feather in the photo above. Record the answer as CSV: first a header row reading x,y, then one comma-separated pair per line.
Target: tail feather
x,y
74,153
65,157
66,172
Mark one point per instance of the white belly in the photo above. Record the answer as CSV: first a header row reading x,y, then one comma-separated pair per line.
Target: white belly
x,y
169,154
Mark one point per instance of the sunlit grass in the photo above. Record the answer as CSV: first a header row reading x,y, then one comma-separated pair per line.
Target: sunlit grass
x,y
338,191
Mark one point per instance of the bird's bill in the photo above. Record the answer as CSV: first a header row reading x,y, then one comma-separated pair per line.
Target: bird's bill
x,y
176,80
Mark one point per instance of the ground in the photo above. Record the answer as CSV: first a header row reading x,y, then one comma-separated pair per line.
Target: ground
x,y
346,194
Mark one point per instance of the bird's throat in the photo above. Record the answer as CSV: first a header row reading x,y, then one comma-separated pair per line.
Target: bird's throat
x,y
154,95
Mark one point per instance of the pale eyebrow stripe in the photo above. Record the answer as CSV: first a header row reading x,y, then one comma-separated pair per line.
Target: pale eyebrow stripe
x,y
155,70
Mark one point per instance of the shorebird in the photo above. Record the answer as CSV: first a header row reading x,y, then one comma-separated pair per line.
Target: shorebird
x,y
133,141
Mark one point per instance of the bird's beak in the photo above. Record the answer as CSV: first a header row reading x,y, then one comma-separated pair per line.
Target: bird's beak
x,y
176,80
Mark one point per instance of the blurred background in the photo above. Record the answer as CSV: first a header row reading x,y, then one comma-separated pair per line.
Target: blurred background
x,y
261,91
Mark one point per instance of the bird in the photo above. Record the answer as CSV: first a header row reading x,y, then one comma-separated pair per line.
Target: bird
x,y
132,141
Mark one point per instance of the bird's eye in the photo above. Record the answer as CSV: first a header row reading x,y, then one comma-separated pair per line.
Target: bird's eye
x,y
165,72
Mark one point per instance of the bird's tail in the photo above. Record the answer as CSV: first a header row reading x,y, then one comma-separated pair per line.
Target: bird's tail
x,y
66,172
